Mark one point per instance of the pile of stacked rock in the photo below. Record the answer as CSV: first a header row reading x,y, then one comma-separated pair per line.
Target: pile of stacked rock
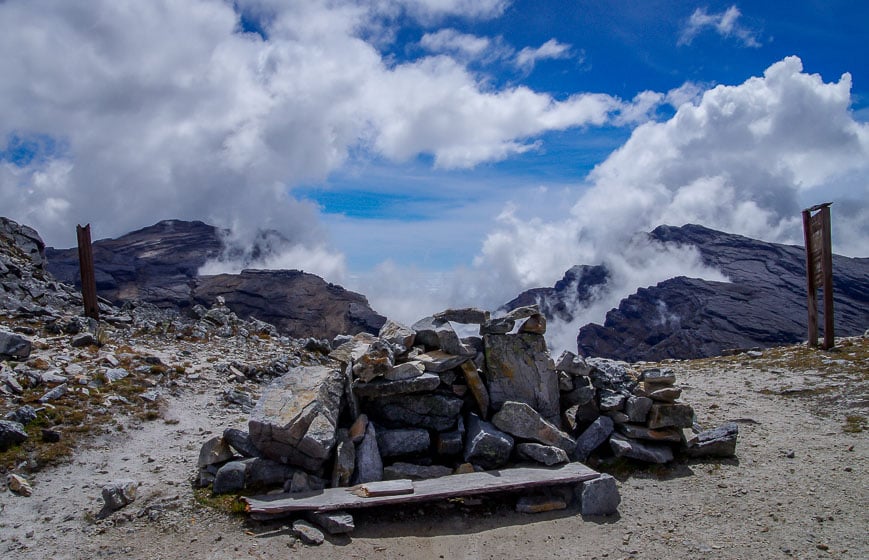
x,y
422,402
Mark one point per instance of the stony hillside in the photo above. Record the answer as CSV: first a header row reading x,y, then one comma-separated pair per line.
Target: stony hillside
x,y
159,264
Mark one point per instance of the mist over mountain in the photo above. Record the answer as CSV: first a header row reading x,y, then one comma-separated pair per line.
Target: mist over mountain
x,y
762,304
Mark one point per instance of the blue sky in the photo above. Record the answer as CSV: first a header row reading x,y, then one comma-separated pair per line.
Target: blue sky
x,y
438,152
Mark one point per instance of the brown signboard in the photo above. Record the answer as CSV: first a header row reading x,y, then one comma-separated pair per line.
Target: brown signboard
x,y
819,270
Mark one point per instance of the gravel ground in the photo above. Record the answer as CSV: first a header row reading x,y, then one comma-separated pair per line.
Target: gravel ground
x,y
797,489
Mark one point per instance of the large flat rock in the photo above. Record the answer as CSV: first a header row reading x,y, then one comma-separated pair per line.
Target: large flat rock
x,y
295,420
518,368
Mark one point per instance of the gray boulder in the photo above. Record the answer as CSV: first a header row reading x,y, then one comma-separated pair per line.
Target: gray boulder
x,y
518,368
230,478
296,418
239,440
394,443
213,452
399,336
717,442
432,411
438,361
11,433
334,522
307,533
600,496
521,421
260,472
547,454
14,346
593,437
118,494
486,445
572,364
633,449
369,465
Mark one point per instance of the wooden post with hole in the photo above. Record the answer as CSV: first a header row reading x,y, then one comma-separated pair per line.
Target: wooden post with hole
x,y
88,278
819,270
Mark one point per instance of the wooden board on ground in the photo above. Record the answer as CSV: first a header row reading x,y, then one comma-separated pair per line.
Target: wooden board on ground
x,y
520,478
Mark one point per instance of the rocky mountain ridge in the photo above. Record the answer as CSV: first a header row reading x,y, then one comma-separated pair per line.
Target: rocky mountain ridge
x,y
160,264
763,305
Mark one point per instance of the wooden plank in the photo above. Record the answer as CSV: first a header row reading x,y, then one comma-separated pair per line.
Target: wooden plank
x,y
263,507
811,284
383,488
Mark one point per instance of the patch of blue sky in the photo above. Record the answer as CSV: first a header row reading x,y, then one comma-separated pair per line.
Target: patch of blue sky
x,y
252,20
357,202
25,149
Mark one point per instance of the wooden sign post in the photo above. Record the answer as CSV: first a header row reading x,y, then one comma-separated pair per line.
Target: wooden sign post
x,y
88,278
819,270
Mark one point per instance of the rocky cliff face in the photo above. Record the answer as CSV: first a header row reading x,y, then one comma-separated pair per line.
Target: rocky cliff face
x,y
763,305
159,264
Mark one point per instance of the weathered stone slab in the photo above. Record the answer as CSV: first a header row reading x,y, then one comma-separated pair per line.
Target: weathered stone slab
x,y
369,465
547,454
432,411
486,445
670,415
500,325
666,394
350,351
523,312
399,471
670,435
660,376
295,419
466,316
633,449
600,496
593,437
522,421
612,375
14,346
435,333
477,388
717,442
383,388
519,369
406,370
536,324
307,533
406,441
401,337
572,364
377,360
438,361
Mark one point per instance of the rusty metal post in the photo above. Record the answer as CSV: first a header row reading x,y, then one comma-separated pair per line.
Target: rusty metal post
x,y
819,270
88,278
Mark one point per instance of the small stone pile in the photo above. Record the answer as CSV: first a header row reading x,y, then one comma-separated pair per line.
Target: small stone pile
x,y
640,416
422,402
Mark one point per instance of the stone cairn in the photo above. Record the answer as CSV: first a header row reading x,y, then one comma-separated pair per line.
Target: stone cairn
x,y
421,402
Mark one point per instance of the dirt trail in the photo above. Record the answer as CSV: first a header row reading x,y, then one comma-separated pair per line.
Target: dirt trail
x,y
798,488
